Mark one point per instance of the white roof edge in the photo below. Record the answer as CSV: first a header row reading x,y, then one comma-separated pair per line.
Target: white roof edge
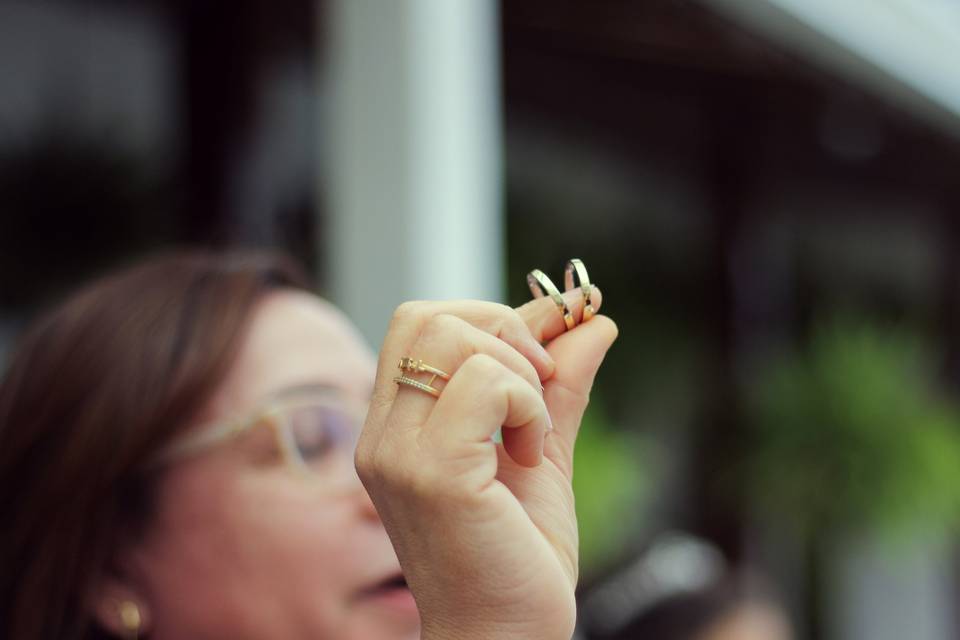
x,y
903,52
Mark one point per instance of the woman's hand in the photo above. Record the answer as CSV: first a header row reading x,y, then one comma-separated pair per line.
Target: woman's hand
x,y
486,533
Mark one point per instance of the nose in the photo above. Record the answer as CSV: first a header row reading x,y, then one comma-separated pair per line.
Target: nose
x,y
367,510
361,497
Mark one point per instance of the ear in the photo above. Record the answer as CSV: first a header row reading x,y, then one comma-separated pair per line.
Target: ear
x,y
118,607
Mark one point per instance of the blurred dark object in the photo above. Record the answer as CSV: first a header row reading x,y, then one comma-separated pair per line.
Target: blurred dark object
x,y
73,204
134,126
227,53
726,612
680,588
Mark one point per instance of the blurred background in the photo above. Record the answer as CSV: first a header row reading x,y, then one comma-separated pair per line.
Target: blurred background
x,y
766,191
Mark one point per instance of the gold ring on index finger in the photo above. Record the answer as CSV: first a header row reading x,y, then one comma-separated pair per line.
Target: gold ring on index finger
x,y
541,285
576,273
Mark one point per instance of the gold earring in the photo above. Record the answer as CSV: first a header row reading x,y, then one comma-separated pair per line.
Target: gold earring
x,y
130,617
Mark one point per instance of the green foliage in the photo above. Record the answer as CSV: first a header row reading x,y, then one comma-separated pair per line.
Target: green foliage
x,y
610,485
853,433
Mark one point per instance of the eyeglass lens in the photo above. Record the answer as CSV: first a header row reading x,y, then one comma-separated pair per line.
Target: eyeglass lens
x,y
319,432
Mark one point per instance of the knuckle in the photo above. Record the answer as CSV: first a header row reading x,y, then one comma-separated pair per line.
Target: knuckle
x,y
512,325
508,319
505,310
484,369
495,308
452,333
520,330
442,324
407,311
513,319
365,462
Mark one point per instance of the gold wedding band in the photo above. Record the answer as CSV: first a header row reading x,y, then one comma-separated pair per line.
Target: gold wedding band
x,y
541,285
576,273
416,384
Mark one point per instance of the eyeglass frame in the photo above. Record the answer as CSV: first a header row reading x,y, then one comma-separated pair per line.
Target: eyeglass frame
x,y
270,413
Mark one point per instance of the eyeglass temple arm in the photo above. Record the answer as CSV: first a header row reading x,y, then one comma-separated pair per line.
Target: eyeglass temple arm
x,y
204,438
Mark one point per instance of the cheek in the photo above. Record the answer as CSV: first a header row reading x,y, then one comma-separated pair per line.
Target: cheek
x,y
257,551
295,534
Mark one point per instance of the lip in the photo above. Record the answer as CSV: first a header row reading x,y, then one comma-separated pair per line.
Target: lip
x,y
390,594
395,599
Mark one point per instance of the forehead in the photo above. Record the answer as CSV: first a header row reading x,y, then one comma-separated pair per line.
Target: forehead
x,y
296,338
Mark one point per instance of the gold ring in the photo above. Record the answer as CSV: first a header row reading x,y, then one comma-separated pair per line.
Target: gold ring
x,y
576,269
418,366
541,285
416,384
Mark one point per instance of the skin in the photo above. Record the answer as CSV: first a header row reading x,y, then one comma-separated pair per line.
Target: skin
x,y
485,533
752,621
246,550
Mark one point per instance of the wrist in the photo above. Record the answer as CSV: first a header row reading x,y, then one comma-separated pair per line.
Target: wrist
x,y
464,627
460,634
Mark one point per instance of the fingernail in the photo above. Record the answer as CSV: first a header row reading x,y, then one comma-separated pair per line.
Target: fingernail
x,y
549,423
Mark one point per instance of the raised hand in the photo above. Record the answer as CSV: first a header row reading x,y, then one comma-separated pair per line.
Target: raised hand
x,y
486,532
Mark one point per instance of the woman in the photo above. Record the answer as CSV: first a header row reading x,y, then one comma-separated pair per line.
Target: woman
x,y
178,460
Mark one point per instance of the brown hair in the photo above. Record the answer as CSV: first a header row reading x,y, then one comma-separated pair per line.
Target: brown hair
x,y
95,387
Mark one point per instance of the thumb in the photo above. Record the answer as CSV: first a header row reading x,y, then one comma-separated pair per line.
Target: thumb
x,y
578,355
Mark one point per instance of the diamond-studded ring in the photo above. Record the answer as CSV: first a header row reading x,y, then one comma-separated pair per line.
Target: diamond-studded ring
x,y
412,365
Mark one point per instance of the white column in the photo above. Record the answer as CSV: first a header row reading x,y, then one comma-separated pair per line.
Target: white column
x,y
412,154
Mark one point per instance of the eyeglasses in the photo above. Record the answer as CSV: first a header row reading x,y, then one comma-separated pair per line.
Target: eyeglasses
x,y
311,425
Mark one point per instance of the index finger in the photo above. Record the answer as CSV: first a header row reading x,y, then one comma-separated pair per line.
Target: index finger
x,y
544,318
